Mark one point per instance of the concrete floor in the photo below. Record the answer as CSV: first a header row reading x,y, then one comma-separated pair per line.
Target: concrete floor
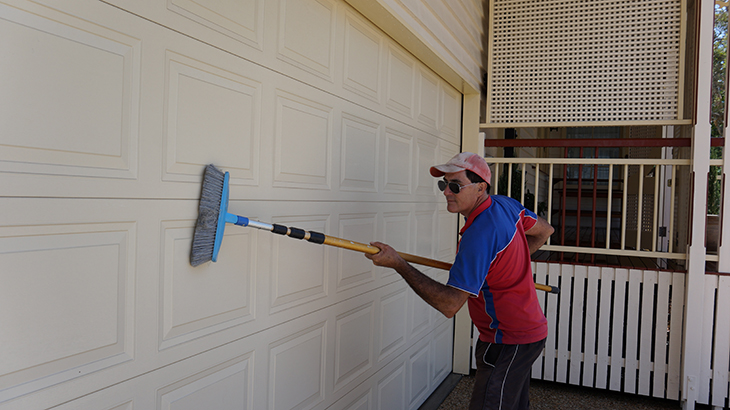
x,y
455,393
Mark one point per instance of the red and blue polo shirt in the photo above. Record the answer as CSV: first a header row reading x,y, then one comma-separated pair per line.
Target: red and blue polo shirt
x,y
493,265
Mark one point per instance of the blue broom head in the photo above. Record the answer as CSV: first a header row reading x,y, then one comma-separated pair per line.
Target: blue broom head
x,y
211,216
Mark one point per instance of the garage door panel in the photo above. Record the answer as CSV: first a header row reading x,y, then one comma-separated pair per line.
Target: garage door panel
x,y
306,37
240,20
299,269
392,334
451,114
392,389
227,386
363,56
210,113
302,126
360,154
206,299
426,148
70,102
419,368
400,85
429,98
353,269
297,369
398,162
67,303
353,344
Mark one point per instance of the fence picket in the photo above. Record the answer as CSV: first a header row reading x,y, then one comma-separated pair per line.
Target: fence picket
x,y
566,281
721,362
662,334
617,340
708,315
632,332
540,272
675,336
604,317
647,330
576,337
552,316
591,326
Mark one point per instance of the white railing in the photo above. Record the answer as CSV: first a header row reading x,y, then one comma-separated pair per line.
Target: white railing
x,y
641,230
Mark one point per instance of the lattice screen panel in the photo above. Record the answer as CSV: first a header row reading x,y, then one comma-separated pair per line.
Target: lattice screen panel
x,y
585,61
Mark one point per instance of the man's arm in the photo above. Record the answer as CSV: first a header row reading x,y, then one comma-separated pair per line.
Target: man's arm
x,y
538,234
444,298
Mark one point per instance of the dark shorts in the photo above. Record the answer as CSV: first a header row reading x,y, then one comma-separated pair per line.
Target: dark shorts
x,y
503,375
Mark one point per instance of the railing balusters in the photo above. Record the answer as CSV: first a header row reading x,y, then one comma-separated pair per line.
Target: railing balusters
x,y
671,208
509,180
523,184
656,208
623,207
639,208
537,187
550,198
609,206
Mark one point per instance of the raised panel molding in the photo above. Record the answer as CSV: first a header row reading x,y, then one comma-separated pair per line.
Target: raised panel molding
x,y
353,268
450,113
426,158
363,51
399,162
425,221
297,370
392,389
242,20
227,386
393,308
307,35
70,102
400,83
360,154
419,370
61,282
299,273
211,114
353,344
429,98
303,143
199,301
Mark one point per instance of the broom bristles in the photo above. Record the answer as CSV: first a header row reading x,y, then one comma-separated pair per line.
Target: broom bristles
x,y
208,214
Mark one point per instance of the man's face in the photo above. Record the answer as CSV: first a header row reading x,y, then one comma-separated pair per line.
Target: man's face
x,y
468,197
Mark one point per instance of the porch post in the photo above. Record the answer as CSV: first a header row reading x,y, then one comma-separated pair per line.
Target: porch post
x,y
691,346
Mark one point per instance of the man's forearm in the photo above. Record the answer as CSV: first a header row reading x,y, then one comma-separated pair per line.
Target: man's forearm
x,y
443,298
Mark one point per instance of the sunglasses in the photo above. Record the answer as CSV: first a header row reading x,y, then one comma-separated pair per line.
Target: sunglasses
x,y
453,186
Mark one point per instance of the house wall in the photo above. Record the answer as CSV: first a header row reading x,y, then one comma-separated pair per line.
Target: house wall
x,y
109,112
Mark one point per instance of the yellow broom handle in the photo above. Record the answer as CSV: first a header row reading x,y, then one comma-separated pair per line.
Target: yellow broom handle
x,y
369,249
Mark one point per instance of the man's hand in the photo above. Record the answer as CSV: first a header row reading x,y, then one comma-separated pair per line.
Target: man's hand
x,y
538,234
387,257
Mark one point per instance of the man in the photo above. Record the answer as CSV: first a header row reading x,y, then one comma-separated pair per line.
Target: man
x,y
492,271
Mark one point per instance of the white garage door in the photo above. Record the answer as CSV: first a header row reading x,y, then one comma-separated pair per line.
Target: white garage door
x,y
108,113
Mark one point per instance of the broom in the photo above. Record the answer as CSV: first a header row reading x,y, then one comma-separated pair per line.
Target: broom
x,y
213,216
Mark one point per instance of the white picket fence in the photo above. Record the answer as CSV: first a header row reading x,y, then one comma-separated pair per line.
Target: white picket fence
x,y
621,329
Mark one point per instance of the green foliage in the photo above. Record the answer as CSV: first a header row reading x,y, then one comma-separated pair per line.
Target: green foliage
x,y
719,62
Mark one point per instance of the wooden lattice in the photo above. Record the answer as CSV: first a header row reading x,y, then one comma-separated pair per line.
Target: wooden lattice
x,y
586,61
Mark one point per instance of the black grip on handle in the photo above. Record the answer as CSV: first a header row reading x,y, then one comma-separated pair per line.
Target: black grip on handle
x,y
554,289
296,233
316,237
280,229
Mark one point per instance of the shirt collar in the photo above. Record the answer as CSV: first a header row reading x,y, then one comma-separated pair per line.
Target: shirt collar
x,y
484,205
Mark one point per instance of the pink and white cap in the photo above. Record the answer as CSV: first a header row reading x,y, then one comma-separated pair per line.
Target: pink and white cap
x,y
462,161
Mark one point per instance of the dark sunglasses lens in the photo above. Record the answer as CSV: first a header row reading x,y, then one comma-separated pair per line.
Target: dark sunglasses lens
x,y
453,186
